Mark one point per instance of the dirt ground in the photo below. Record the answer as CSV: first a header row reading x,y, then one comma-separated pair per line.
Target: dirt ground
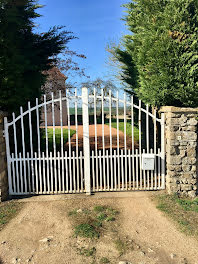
x,y
99,138
155,239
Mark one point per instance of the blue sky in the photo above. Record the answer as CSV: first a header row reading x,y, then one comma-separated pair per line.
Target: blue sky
x,y
95,23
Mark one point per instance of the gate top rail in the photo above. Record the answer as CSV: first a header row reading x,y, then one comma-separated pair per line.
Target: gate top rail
x,y
76,97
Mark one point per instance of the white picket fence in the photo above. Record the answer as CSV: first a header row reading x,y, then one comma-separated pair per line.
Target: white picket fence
x,y
71,169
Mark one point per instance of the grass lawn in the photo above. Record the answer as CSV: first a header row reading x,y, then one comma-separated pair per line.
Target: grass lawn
x,y
128,129
7,211
57,137
182,210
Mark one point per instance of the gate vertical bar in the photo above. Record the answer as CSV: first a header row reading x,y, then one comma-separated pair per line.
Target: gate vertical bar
x,y
103,137
86,146
110,135
69,140
155,148
96,142
16,151
125,143
118,140
62,143
24,149
163,149
8,154
77,156
133,144
140,142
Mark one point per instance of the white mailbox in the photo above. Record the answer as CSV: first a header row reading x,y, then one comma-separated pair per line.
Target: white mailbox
x,y
148,161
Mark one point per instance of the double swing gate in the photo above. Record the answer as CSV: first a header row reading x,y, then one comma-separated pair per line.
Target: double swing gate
x,y
100,147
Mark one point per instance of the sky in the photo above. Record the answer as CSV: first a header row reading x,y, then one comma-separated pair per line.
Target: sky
x,y
95,23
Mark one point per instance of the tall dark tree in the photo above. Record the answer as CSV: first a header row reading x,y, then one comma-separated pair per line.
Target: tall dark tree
x,y
24,54
159,57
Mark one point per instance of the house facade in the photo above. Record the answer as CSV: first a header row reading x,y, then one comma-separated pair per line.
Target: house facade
x,y
55,83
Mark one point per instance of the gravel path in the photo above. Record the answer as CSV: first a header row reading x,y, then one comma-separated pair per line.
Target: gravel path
x,y
42,232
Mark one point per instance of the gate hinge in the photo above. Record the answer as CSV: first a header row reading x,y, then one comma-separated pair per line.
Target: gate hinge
x,y
4,133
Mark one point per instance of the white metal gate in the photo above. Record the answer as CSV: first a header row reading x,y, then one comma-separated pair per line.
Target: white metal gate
x,y
41,160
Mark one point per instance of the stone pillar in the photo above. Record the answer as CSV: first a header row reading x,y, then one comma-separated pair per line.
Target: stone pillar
x,y
3,164
181,150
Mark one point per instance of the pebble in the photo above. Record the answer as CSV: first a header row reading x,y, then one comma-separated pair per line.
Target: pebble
x,y
79,211
46,239
142,253
172,255
150,250
16,260
3,242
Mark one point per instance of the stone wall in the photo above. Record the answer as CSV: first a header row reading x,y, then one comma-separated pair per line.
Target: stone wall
x,y
181,150
3,165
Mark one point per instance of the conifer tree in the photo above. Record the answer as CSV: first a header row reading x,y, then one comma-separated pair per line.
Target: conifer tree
x,y
25,54
159,57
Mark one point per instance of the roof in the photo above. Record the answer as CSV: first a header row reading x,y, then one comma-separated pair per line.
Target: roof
x,y
55,73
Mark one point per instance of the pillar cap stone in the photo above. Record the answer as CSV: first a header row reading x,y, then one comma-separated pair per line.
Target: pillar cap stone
x,y
174,109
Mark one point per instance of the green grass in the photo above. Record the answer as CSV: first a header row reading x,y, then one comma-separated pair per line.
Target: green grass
x,y
57,137
181,210
104,260
90,223
110,218
73,212
128,129
188,205
120,246
102,217
86,230
99,209
88,252
7,211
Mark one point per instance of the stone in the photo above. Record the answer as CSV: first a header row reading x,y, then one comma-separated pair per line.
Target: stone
x,y
79,211
16,260
186,168
194,168
172,255
142,253
192,194
46,239
150,250
186,187
174,160
189,161
191,128
192,122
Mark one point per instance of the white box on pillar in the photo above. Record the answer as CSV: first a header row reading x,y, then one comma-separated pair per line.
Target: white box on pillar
x,y
148,161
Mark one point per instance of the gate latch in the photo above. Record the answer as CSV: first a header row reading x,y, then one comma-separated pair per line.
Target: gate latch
x,y
148,161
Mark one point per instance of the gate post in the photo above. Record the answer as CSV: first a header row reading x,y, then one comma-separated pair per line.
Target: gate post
x,y
86,144
181,150
3,164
